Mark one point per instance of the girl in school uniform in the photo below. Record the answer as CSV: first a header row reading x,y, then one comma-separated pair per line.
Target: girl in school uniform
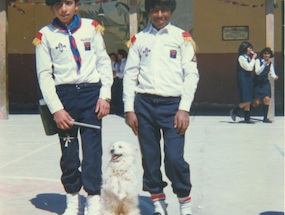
x,y
261,84
245,66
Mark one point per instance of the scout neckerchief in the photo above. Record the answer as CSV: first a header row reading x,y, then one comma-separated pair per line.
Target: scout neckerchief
x,y
73,27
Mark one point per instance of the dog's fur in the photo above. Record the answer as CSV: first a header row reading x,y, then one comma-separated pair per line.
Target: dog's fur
x,y
119,195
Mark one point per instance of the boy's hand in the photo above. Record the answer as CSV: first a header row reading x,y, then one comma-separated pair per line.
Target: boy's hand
x,y
132,121
102,108
181,121
63,120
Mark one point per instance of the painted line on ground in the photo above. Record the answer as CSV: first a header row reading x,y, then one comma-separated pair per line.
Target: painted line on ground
x,y
27,155
30,178
279,150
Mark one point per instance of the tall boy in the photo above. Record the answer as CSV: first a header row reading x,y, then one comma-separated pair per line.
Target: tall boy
x,y
75,78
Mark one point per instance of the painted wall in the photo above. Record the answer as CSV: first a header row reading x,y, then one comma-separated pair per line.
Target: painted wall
x,y
216,58
211,16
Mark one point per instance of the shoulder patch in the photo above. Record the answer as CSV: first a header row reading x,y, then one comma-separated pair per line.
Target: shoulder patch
x,y
130,42
188,38
98,27
38,39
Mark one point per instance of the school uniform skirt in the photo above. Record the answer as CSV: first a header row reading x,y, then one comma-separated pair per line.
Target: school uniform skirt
x,y
261,89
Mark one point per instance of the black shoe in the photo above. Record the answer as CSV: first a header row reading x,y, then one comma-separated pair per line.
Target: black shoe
x,y
158,213
247,122
233,114
267,121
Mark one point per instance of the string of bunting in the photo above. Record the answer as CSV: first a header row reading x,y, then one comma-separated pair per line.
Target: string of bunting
x,y
42,3
21,11
242,4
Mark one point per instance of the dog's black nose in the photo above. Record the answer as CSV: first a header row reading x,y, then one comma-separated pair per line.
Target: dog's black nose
x,y
112,151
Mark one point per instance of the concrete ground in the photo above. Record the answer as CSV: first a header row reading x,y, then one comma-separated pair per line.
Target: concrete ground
x,y
236,169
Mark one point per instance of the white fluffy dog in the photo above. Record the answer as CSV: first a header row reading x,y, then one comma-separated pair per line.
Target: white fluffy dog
x,y
119,195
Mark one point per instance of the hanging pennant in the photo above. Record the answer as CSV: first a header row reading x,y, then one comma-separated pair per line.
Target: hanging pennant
x,y
37,2
242,4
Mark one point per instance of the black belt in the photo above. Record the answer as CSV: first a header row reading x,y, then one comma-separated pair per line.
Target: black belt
x,y
78,86
157,96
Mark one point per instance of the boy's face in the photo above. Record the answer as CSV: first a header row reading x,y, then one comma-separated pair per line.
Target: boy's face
x,y
65,10
160,16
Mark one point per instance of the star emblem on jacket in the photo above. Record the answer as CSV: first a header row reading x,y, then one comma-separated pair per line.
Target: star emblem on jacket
x,y
60,47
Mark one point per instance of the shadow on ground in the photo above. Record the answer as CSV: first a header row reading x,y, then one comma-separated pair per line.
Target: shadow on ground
x,y
56,203
272,213
52,202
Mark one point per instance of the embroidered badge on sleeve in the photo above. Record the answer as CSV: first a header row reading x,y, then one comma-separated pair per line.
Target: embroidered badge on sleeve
x,y
38,39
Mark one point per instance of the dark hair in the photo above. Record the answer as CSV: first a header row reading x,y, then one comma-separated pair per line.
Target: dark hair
x,y
52,2
112,54
150,4
123,52
267,49
243,47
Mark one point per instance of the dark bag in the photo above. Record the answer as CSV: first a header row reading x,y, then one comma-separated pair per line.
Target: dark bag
x,y
47,118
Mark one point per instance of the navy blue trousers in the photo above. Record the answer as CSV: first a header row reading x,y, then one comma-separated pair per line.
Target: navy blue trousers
x,y
156,118
117,104
80,102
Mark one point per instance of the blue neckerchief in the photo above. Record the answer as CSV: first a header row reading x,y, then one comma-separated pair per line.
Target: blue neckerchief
x,y
73,27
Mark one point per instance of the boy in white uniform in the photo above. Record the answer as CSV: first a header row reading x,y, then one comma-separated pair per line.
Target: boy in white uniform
x,y
160,81
75,78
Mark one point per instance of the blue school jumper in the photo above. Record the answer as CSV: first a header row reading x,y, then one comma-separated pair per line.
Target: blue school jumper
x,y
244,82
261,84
